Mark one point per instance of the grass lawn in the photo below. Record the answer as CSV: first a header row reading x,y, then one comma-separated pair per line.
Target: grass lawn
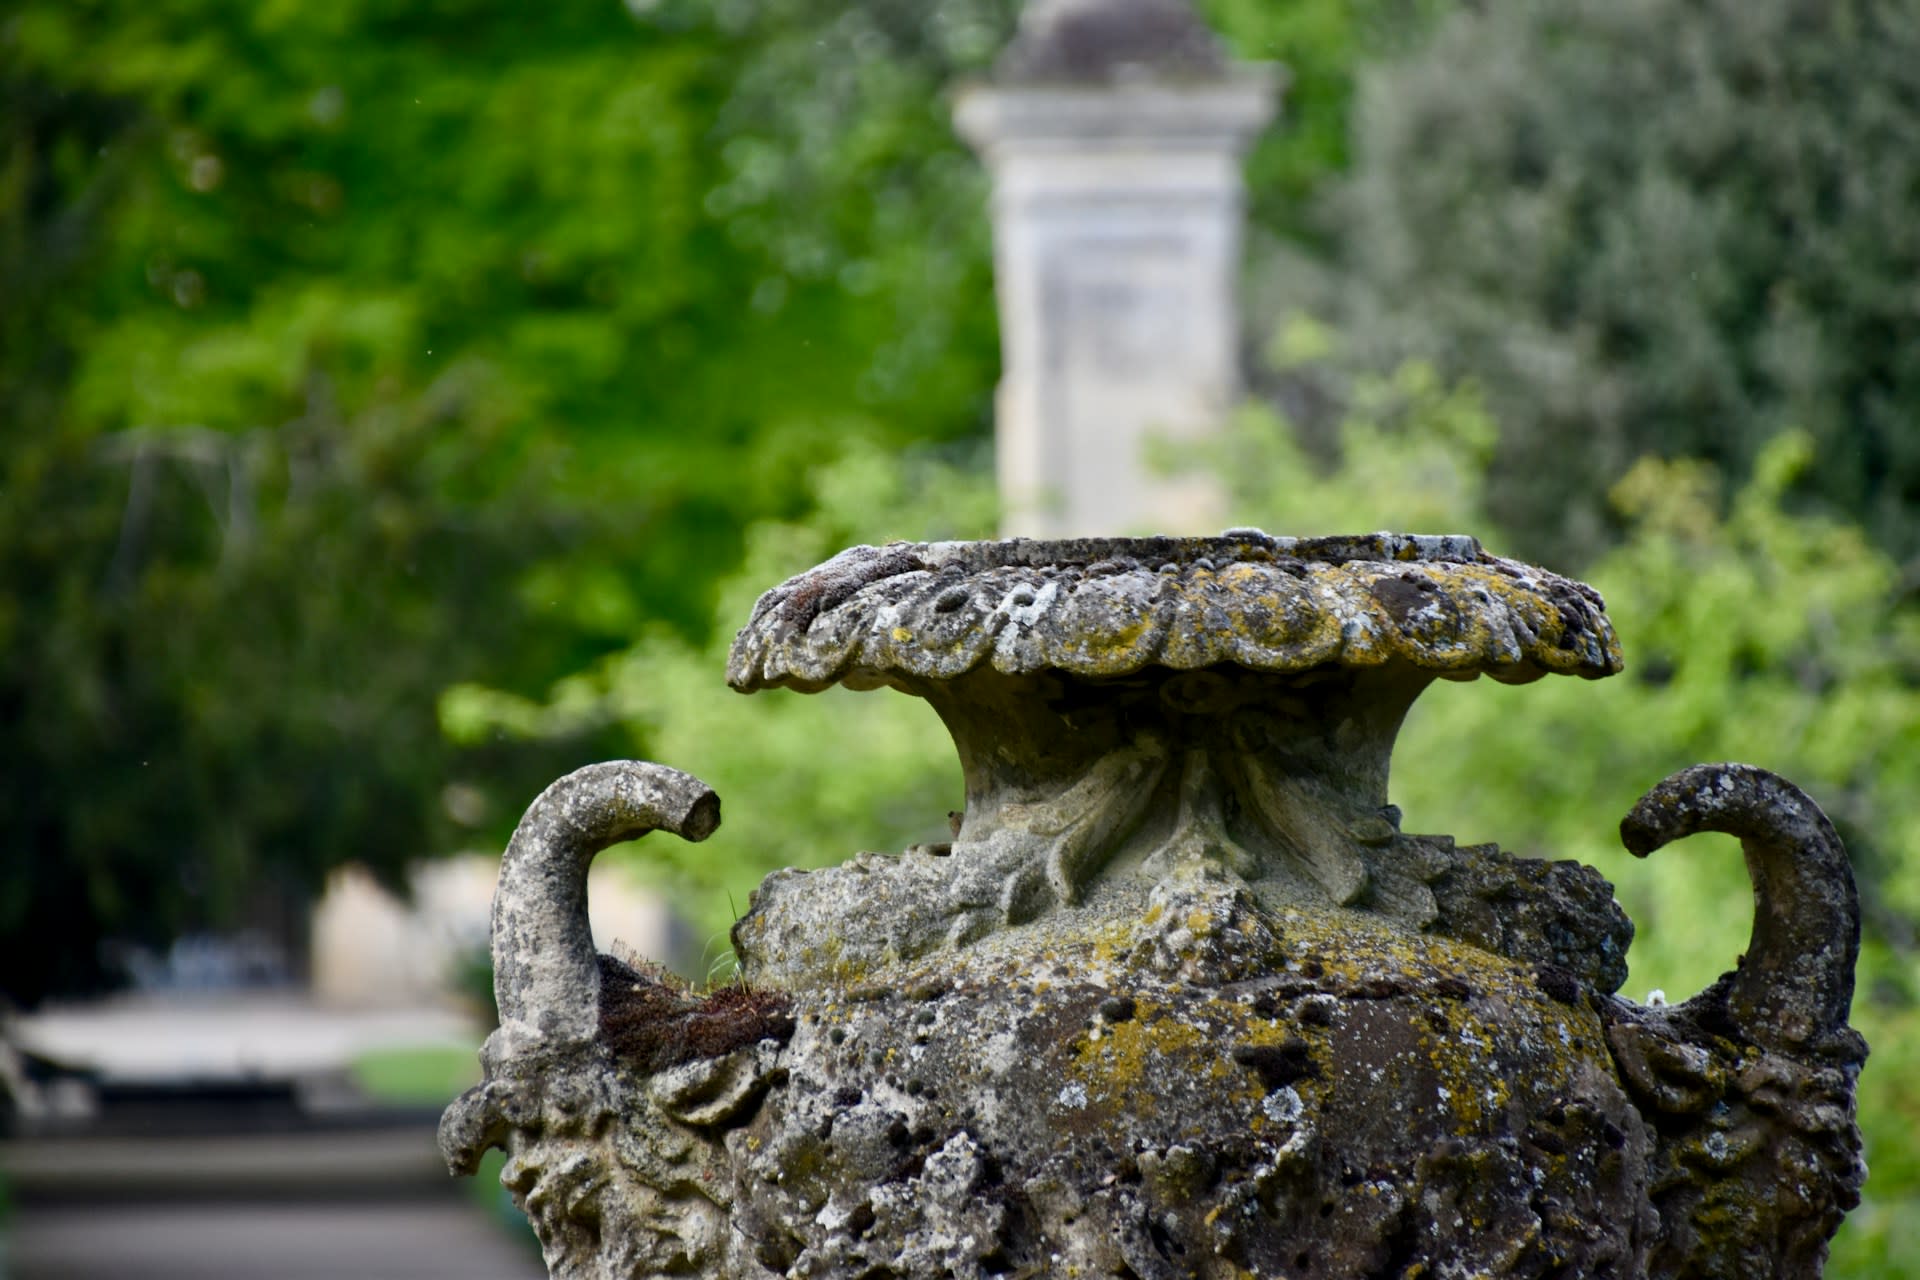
x,y
417,1075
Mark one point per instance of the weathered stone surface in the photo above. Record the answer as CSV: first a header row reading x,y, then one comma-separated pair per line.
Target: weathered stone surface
x,y
1211,1088
607,1158
1180,998
1751,1082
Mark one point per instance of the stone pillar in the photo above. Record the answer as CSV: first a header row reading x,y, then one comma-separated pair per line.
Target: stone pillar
x,y
1114,131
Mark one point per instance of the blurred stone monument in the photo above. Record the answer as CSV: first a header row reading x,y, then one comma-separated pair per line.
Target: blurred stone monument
x,y
1114,131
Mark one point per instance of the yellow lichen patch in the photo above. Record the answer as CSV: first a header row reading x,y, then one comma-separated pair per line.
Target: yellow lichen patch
x,y
1118,1061
1099,648
1470,1087
1134,1063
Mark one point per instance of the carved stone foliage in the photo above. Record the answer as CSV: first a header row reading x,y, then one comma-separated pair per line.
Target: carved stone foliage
x,y
1181,998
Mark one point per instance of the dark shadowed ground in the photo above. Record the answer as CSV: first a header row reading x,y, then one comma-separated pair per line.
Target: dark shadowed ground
x,y
228,1135
421,1239
363,1203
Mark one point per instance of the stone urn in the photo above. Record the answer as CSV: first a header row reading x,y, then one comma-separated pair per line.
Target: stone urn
x,y
1181,997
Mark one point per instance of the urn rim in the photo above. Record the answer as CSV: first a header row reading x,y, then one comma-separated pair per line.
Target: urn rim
x,y
907,613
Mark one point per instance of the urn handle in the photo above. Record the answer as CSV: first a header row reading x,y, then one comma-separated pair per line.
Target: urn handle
x,y
1792,990
546,975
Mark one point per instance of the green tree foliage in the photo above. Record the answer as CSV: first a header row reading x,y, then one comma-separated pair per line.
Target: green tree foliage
x,y
692,247
1657,226
216,650
355,350
1321,47
804,780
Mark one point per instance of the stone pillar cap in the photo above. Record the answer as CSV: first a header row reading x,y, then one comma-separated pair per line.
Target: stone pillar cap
x,y
1098,41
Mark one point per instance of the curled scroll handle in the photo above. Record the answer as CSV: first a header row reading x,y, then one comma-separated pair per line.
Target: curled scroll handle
x,y
1793,989
546,974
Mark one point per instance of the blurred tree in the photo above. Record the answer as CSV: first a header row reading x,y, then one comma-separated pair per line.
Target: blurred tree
x,y
1657,226
351,351
357,350
806,780
1322,47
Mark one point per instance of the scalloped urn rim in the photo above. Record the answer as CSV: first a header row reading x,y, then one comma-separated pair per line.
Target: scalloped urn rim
x,y
1097,608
